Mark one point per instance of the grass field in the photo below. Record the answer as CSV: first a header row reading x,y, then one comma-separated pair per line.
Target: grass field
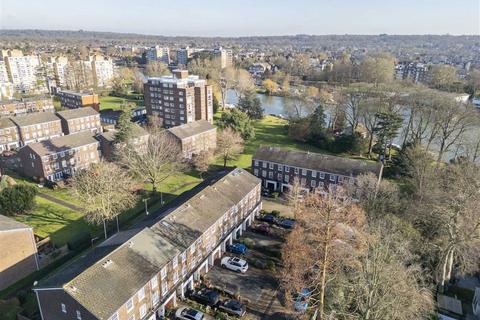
x,y
269,131
109,102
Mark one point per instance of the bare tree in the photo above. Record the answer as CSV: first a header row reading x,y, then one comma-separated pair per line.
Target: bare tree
x,y
201,161
105,190
159,159
326,239
229,145
156,69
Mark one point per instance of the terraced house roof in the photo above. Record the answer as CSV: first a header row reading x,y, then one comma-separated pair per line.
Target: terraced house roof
x,y
191,129
35,118
77,113
103,280
316,161
62,143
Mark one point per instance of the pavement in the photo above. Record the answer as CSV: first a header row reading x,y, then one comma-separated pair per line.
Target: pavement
x,y
59,201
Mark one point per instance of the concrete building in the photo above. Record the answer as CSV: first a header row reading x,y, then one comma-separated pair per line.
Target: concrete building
x,y
279,168
26,105
413,71
195,137
184,54
35,127
60,70
22,70
178,99
102,70
79,120
158,54
9,137
18,251
225,56
140,272
58,158
6,90
73,100
110,116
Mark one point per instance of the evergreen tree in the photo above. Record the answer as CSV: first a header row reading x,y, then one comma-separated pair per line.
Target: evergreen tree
x,y
250,104
125,128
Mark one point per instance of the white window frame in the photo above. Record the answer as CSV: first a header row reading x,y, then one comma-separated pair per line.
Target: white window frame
x,y
64,307
143,310
154,281
129,305
79,315
141,294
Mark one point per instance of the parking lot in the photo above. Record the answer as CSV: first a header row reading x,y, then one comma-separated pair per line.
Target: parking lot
x,y
258,288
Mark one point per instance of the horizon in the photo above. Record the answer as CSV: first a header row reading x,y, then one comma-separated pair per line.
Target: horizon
x,y
268,18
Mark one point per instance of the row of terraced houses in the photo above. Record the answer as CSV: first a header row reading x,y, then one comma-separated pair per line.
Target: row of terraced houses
x,y
140,272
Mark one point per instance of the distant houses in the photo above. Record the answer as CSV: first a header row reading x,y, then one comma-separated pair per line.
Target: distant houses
x,y
279,168
18,251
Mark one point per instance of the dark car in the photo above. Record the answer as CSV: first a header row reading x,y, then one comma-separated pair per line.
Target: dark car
x,y
287,223
238,248
206,296
233,307
261,228
268,218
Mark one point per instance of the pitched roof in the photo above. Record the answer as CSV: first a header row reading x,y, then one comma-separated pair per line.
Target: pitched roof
x,y
316,161
6,123
77,113
137,131
192,129
108,276
7,224
34,118
62,143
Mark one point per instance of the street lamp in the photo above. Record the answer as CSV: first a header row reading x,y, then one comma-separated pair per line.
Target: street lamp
x,y
146,208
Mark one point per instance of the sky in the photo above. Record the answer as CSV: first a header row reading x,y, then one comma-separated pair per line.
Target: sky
x,y
245,17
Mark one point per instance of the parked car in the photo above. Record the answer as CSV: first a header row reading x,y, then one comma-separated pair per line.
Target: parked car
x,y
238,248
268,218
286,223
186,313
235,264
206,296
301,300
233,307
261,228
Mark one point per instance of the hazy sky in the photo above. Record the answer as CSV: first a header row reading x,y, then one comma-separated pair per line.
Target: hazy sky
x,y
245,17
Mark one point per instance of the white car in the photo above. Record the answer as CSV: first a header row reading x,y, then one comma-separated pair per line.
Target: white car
x,y
235,264
186,313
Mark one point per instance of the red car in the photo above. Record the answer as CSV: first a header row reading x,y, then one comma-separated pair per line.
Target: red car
x,y
261,228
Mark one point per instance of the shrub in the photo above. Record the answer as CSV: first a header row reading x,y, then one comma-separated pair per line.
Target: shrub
x,y
248,242
276,213
271,265
275,195
17,199
80,241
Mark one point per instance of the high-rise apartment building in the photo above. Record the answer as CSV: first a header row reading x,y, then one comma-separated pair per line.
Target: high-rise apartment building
x,y
60,65
158,54
21,70
178,99
225,57
184,54
102,69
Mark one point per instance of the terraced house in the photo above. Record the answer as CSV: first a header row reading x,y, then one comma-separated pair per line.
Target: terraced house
x,y
278,168
140,272
9,138
26,105
36,127
59,158
195,137
78,120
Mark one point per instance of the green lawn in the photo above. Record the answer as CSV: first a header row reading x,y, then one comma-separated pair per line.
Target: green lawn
x,y
269,131
49,219
109,102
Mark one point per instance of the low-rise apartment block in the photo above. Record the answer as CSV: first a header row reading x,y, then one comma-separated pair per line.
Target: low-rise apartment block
x,y
26,105
59,158
110,116
36,127
139,140
9,137
19,251
75,100
78,120
279,168
195,137
178,99
139,273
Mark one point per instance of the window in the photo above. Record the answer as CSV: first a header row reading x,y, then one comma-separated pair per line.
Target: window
x,y
264,173
287,178
255,163
192,248
129,305
332,178
270,175
279,177
131,317
163,273
154,282
264,164
141,294
64,308
175,276
155,298
280,167
313,184
270,166
79,315
314,174
164,288
175,262
184,257
255,172
295,170
143,311
287,169
340,179
114,317
304,172
322,175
